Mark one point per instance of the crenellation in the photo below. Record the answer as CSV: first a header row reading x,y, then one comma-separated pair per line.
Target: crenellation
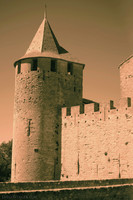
x,y
101,135
104,111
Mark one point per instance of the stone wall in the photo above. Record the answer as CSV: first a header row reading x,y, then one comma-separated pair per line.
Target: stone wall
x,y
97,145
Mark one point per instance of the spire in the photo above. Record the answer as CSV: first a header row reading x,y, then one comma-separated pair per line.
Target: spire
x,y
45,11
45,40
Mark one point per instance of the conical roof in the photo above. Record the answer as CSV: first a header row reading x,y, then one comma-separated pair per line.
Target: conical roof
x,y
45,41
45,44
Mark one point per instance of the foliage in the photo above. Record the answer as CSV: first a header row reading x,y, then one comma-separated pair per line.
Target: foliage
x,y
5,161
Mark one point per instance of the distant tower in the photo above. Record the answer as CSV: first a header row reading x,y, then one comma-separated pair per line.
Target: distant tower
x,y
47,78
126,77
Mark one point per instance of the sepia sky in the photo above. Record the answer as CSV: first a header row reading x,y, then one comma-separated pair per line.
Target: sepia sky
x,y
98,32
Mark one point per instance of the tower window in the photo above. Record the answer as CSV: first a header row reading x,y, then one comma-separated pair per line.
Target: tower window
x,y
53,66
19,68
69,68
29,127
34,65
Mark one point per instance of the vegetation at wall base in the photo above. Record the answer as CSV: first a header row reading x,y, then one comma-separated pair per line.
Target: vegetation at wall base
x,y
5,161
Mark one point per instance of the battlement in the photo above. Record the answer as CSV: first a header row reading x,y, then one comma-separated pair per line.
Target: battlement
x,y
97,141
98,110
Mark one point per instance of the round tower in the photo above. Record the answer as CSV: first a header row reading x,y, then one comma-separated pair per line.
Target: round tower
x,y
46,79
126,78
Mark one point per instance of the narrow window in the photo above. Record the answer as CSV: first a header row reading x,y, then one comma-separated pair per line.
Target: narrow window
x,y
53,66
69,68
15,170
78,165
29,127
19,68
34,65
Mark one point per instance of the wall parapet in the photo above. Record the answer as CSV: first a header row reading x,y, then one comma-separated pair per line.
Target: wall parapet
x,y
96,109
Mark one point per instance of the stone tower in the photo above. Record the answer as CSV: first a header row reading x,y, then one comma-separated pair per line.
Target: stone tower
x,y
47,78
126,77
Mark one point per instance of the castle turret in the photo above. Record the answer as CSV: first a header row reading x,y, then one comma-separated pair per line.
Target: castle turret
x,y
47,78
126,78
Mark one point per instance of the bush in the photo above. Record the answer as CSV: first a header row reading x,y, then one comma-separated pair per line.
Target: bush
x,y
5,161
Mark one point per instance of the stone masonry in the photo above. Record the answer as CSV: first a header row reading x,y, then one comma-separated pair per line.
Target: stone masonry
x,y
97,145
58,135
43,85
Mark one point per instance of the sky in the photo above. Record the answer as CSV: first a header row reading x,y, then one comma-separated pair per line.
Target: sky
x,y
98,32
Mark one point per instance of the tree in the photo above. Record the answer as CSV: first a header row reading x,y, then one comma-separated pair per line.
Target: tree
x,y
5,161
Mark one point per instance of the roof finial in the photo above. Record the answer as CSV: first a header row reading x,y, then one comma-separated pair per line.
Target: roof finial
x,y
45,12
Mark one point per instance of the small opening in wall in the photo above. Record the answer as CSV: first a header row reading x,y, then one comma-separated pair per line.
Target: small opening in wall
x,y
129,102
81,109
78,165
19,68
57,143
15,170
53,66
69,68
36,150
105,153
65,124
68,111
96,107
112,105
29,127
74,89
34,65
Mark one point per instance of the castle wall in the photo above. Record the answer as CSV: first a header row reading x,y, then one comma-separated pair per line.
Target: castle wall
x,y
97,145
39,96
